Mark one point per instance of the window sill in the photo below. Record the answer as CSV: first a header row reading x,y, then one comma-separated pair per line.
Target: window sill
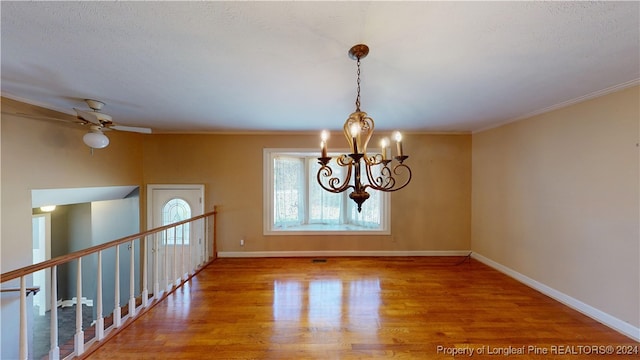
x,y
316,229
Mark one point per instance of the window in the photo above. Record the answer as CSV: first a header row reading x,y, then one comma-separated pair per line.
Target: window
x,y
295,203
173,211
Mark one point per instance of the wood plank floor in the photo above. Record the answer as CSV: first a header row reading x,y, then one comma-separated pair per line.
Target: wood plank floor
x,y
360,308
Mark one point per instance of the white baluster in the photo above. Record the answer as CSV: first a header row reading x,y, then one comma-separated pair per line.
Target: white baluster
x,y
79,337
145,291
167,283
175,278
24,349
198,248
156,270
117,320
54,352
100,318
190,265
183,273
132,295
201,241
206,238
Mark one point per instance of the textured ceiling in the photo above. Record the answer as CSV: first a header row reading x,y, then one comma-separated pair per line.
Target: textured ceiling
x,y
271,66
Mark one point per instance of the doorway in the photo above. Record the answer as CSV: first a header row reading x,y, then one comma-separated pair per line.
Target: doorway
x,y
41,232
174,253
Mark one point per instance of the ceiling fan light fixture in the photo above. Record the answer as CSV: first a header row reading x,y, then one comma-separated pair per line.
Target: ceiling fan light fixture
x,y
95,139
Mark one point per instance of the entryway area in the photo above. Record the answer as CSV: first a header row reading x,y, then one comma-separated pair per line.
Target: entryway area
x,y
168,204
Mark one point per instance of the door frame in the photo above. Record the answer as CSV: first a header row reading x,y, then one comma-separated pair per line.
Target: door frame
x,y
151,187
46,291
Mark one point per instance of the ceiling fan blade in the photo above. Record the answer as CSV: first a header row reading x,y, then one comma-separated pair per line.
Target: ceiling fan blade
x,y
93,116
141,130
48,118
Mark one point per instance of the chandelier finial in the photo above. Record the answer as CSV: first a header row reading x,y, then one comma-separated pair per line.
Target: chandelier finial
x,y
359,51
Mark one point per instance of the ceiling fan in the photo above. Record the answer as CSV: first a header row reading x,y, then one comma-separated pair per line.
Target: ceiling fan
x,y
98,122
95,119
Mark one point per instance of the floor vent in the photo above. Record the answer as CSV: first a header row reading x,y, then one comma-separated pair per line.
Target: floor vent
x,y
319,260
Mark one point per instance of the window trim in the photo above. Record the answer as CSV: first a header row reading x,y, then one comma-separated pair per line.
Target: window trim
x,y
267,191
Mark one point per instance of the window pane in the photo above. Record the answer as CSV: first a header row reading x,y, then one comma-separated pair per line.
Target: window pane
x,y
297,203
370,214
324,207
173,211
289,185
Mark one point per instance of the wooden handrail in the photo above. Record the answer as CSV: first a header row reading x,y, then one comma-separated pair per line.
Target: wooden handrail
x,y
14,274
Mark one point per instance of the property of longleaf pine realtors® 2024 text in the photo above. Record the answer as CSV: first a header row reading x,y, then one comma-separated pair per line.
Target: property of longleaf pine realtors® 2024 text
x,y
540,350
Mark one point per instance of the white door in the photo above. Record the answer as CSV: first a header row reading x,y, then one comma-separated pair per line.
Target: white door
x,y
174,253
41,226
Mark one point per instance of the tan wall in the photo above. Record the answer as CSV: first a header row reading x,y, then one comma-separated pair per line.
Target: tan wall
x,y
432,213
39,154
556,198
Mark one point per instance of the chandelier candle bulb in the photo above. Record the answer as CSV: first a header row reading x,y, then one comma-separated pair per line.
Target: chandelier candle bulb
x,y
355,129
383,143
398,138
324,136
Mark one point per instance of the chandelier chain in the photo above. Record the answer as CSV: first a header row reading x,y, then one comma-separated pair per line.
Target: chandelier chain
x,y
358,94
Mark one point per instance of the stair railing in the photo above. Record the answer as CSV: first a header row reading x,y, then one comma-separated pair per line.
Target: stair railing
x,y
161,263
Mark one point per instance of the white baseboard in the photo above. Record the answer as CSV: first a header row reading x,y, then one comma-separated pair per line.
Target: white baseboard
x,y
598,315
336,253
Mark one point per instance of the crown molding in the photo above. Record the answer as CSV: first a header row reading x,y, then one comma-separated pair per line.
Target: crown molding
x,y
579,99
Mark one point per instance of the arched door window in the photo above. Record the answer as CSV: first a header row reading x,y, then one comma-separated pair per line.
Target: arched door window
x,y
173,211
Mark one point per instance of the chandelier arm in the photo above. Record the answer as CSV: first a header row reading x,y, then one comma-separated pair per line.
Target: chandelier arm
x,y
398,170
384,182
345,160
333,182
387,182
373,160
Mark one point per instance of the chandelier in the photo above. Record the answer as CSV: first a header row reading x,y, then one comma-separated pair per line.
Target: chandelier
x,y
381,172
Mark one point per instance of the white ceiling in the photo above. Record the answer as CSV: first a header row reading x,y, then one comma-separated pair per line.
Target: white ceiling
x,y
271,66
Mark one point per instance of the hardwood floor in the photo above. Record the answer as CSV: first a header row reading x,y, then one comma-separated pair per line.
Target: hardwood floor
x,y
360,308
